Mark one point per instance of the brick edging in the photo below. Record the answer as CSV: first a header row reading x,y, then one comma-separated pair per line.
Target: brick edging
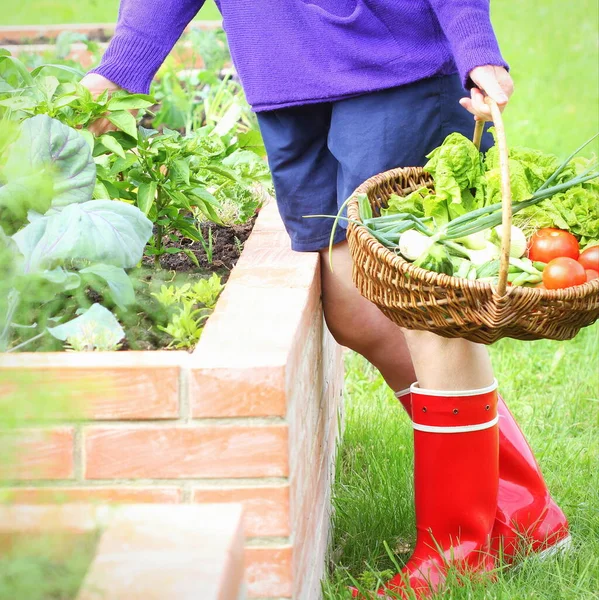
x,y
160,552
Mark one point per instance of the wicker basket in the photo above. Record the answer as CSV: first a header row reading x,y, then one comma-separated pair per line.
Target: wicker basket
x,y
452,307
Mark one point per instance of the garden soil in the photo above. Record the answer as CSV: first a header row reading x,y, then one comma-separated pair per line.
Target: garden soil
x,y
227,243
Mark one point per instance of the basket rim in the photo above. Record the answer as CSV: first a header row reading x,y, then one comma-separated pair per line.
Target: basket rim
x,y
417,274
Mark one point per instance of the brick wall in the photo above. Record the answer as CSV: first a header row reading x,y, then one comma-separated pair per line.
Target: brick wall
x,y
250,417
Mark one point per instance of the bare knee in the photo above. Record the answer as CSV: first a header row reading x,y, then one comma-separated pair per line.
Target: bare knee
x,y
352,320
349,330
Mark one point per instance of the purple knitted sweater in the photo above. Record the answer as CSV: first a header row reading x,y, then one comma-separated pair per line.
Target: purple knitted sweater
x,y
292,52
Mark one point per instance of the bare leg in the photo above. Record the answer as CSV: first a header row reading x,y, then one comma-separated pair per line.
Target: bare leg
x,y
360,325
436,362
448,364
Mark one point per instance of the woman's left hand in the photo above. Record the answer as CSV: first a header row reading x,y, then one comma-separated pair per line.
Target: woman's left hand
x,y
491,81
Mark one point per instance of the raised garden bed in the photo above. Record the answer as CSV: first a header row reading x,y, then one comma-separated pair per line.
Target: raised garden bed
x,y
41,40
99,32
180,190
251,416
82,552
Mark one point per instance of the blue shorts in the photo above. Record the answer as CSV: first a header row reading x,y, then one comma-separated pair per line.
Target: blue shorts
x,y
320,153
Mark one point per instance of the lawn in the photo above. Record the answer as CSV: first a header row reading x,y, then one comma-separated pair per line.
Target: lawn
x,y
553,388
553,54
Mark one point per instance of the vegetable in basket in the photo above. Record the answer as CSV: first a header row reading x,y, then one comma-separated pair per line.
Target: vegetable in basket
x,y
589,258
549,243
592,274
456,228
563,272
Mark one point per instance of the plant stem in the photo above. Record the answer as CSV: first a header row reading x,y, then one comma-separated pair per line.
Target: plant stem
x,y
13,303
564,165
26,342
158,244
159,231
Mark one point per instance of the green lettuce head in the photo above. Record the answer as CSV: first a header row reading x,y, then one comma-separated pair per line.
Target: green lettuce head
x,y
537,166
455,166
576,210
519,182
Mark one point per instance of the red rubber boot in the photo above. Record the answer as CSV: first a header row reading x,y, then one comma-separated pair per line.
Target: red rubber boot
x,y
527,519
455,481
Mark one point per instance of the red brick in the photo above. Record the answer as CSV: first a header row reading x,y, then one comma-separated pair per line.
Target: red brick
x,y
37,454
169,553
122,495
266,509
116,385
144,552
255,327
269,218
284,276
18,33
268,571
186,452
243,392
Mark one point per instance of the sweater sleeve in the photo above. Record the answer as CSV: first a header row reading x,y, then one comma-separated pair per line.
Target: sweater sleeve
x,y
145,33
467,26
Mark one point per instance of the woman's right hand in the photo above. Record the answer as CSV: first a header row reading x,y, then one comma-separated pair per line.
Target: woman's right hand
x,y
97,84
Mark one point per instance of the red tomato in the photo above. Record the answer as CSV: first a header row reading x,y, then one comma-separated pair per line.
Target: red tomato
x,y
563,272
592,274
547,244
589,259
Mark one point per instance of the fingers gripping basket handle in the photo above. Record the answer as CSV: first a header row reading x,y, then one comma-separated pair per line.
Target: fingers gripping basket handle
x,y
506,190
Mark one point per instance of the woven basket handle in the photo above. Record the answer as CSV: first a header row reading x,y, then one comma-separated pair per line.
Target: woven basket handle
x,y
506,190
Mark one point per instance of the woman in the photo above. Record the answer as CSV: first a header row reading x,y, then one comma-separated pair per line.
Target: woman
x,y
345,89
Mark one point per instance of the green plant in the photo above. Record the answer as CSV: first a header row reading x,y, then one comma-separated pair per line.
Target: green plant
x,y
189,306
53,90
238,245
60,239
66,39
212,46
190,99
95,329
46,566
207,245
177,180
174,179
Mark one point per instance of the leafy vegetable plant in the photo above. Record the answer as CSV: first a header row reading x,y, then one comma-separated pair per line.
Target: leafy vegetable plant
x,y
60,238
54,90
189,306
179,180
87,208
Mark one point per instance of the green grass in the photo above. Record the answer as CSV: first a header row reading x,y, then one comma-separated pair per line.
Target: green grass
x,y
50,12
553,54
46,567
553,389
